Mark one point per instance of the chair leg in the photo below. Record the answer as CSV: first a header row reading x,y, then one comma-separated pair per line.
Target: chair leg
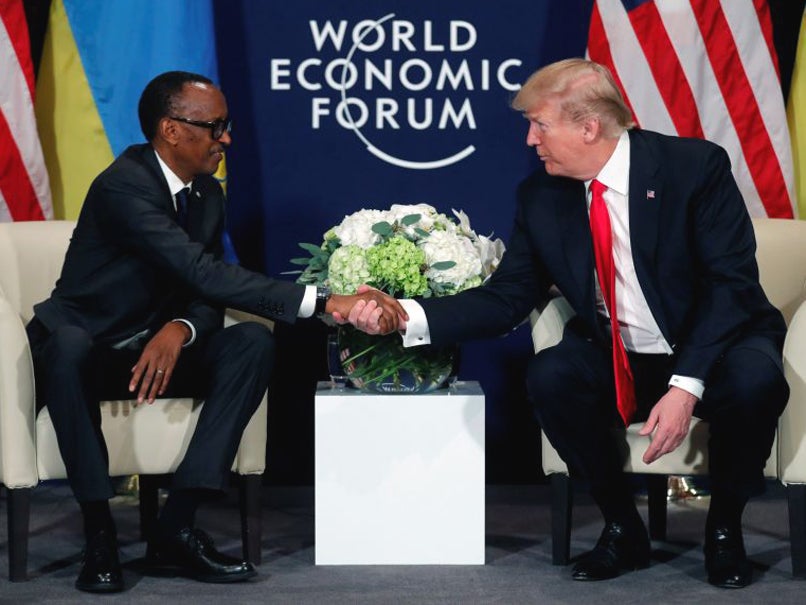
x,y
19,515
657,492
561,503
251,522
796,494
149,505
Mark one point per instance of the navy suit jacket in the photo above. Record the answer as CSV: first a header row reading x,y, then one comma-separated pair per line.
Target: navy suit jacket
x,y
130,266
692,244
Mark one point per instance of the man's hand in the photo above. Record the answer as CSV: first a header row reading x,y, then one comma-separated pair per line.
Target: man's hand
x,y
153,370
376,310
669,419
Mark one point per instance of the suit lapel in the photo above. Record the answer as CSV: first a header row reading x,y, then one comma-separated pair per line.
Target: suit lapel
x,y
572,212
645,203
150,159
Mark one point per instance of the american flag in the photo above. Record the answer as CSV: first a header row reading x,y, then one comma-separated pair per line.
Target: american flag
x,y
706,69
24,185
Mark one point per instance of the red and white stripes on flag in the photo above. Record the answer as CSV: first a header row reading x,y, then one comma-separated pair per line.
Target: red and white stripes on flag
x,y
24,185
706,69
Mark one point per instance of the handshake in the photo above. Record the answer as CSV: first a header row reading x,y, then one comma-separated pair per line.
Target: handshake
x,y
369,310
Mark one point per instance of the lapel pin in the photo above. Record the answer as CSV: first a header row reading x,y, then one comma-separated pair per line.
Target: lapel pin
x,y
650,194
199,194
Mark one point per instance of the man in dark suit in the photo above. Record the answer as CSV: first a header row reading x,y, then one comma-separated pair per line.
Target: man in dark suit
x,y
139,309
682,298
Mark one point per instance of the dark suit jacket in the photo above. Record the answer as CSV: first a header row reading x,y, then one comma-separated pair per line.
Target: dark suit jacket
x,y
131,267
692,243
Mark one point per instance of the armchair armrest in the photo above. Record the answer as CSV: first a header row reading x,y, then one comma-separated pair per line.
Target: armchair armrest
x,y
792,424
233,316
548,324
17,405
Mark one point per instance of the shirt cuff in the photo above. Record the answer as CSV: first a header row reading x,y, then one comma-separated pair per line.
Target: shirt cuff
x,y
417,332
695,386
308,305
192,332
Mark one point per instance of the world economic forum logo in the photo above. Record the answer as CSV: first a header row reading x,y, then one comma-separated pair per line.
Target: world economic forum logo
x,y
367,68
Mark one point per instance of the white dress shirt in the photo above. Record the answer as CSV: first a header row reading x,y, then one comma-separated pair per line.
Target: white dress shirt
x,y
639,330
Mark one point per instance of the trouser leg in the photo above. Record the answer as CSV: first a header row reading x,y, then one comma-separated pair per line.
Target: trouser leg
x,y
571,388
64,368
236,363
744,396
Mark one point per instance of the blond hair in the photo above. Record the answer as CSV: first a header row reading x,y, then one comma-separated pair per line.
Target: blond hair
x,y
584,89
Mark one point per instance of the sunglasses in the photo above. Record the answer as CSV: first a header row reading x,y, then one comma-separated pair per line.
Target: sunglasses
x,y
217,127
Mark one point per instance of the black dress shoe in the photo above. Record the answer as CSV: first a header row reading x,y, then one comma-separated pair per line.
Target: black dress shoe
x,y
618,550
100,570
191,553
725,558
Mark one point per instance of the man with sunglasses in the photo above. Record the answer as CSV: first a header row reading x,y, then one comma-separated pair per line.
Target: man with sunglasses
x,y
138,311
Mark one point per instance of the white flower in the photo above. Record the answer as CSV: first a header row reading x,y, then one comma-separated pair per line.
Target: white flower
x,y
446,246
426,221
490,253
464,223
426,212
356,229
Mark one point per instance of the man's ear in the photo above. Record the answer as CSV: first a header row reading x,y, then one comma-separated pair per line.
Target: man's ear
x,y
168,130
591,129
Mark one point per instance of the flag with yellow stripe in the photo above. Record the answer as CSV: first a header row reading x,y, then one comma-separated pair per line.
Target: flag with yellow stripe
x,y
97,58
796,117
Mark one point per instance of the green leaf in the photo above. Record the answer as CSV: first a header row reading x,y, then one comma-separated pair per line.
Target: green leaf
x,y
314,250
421,232
443,265
300,261
382,228
410,219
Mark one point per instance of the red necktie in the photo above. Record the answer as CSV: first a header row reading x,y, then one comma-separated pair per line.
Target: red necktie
x,y
606,269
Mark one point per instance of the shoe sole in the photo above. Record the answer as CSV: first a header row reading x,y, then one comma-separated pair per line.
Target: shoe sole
x,y
621,571
173,571
106,588
228,579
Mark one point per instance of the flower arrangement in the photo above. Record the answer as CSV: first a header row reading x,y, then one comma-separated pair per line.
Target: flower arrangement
x,y
407,251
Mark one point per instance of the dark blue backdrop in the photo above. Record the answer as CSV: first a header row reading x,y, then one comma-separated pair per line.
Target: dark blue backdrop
x,y
291,179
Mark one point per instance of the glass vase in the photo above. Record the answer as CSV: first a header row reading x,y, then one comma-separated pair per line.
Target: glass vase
x,y
380,364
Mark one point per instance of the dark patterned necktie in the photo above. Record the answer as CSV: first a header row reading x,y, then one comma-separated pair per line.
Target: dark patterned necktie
x,y
182,207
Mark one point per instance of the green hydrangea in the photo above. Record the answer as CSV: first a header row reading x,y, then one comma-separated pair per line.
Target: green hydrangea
x,y
347,269
397,266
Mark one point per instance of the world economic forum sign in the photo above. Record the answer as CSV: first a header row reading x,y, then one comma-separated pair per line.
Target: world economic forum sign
x,y
340,105
396,74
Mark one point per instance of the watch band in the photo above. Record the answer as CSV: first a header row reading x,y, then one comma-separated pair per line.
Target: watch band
x,y
322,296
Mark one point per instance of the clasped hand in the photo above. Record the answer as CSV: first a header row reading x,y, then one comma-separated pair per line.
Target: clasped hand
x,y
370,310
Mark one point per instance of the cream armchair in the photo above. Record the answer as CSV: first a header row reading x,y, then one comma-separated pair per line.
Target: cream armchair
x,y
781,256
148,440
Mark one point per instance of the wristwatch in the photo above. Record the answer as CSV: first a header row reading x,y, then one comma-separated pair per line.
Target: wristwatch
x,y
322,296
